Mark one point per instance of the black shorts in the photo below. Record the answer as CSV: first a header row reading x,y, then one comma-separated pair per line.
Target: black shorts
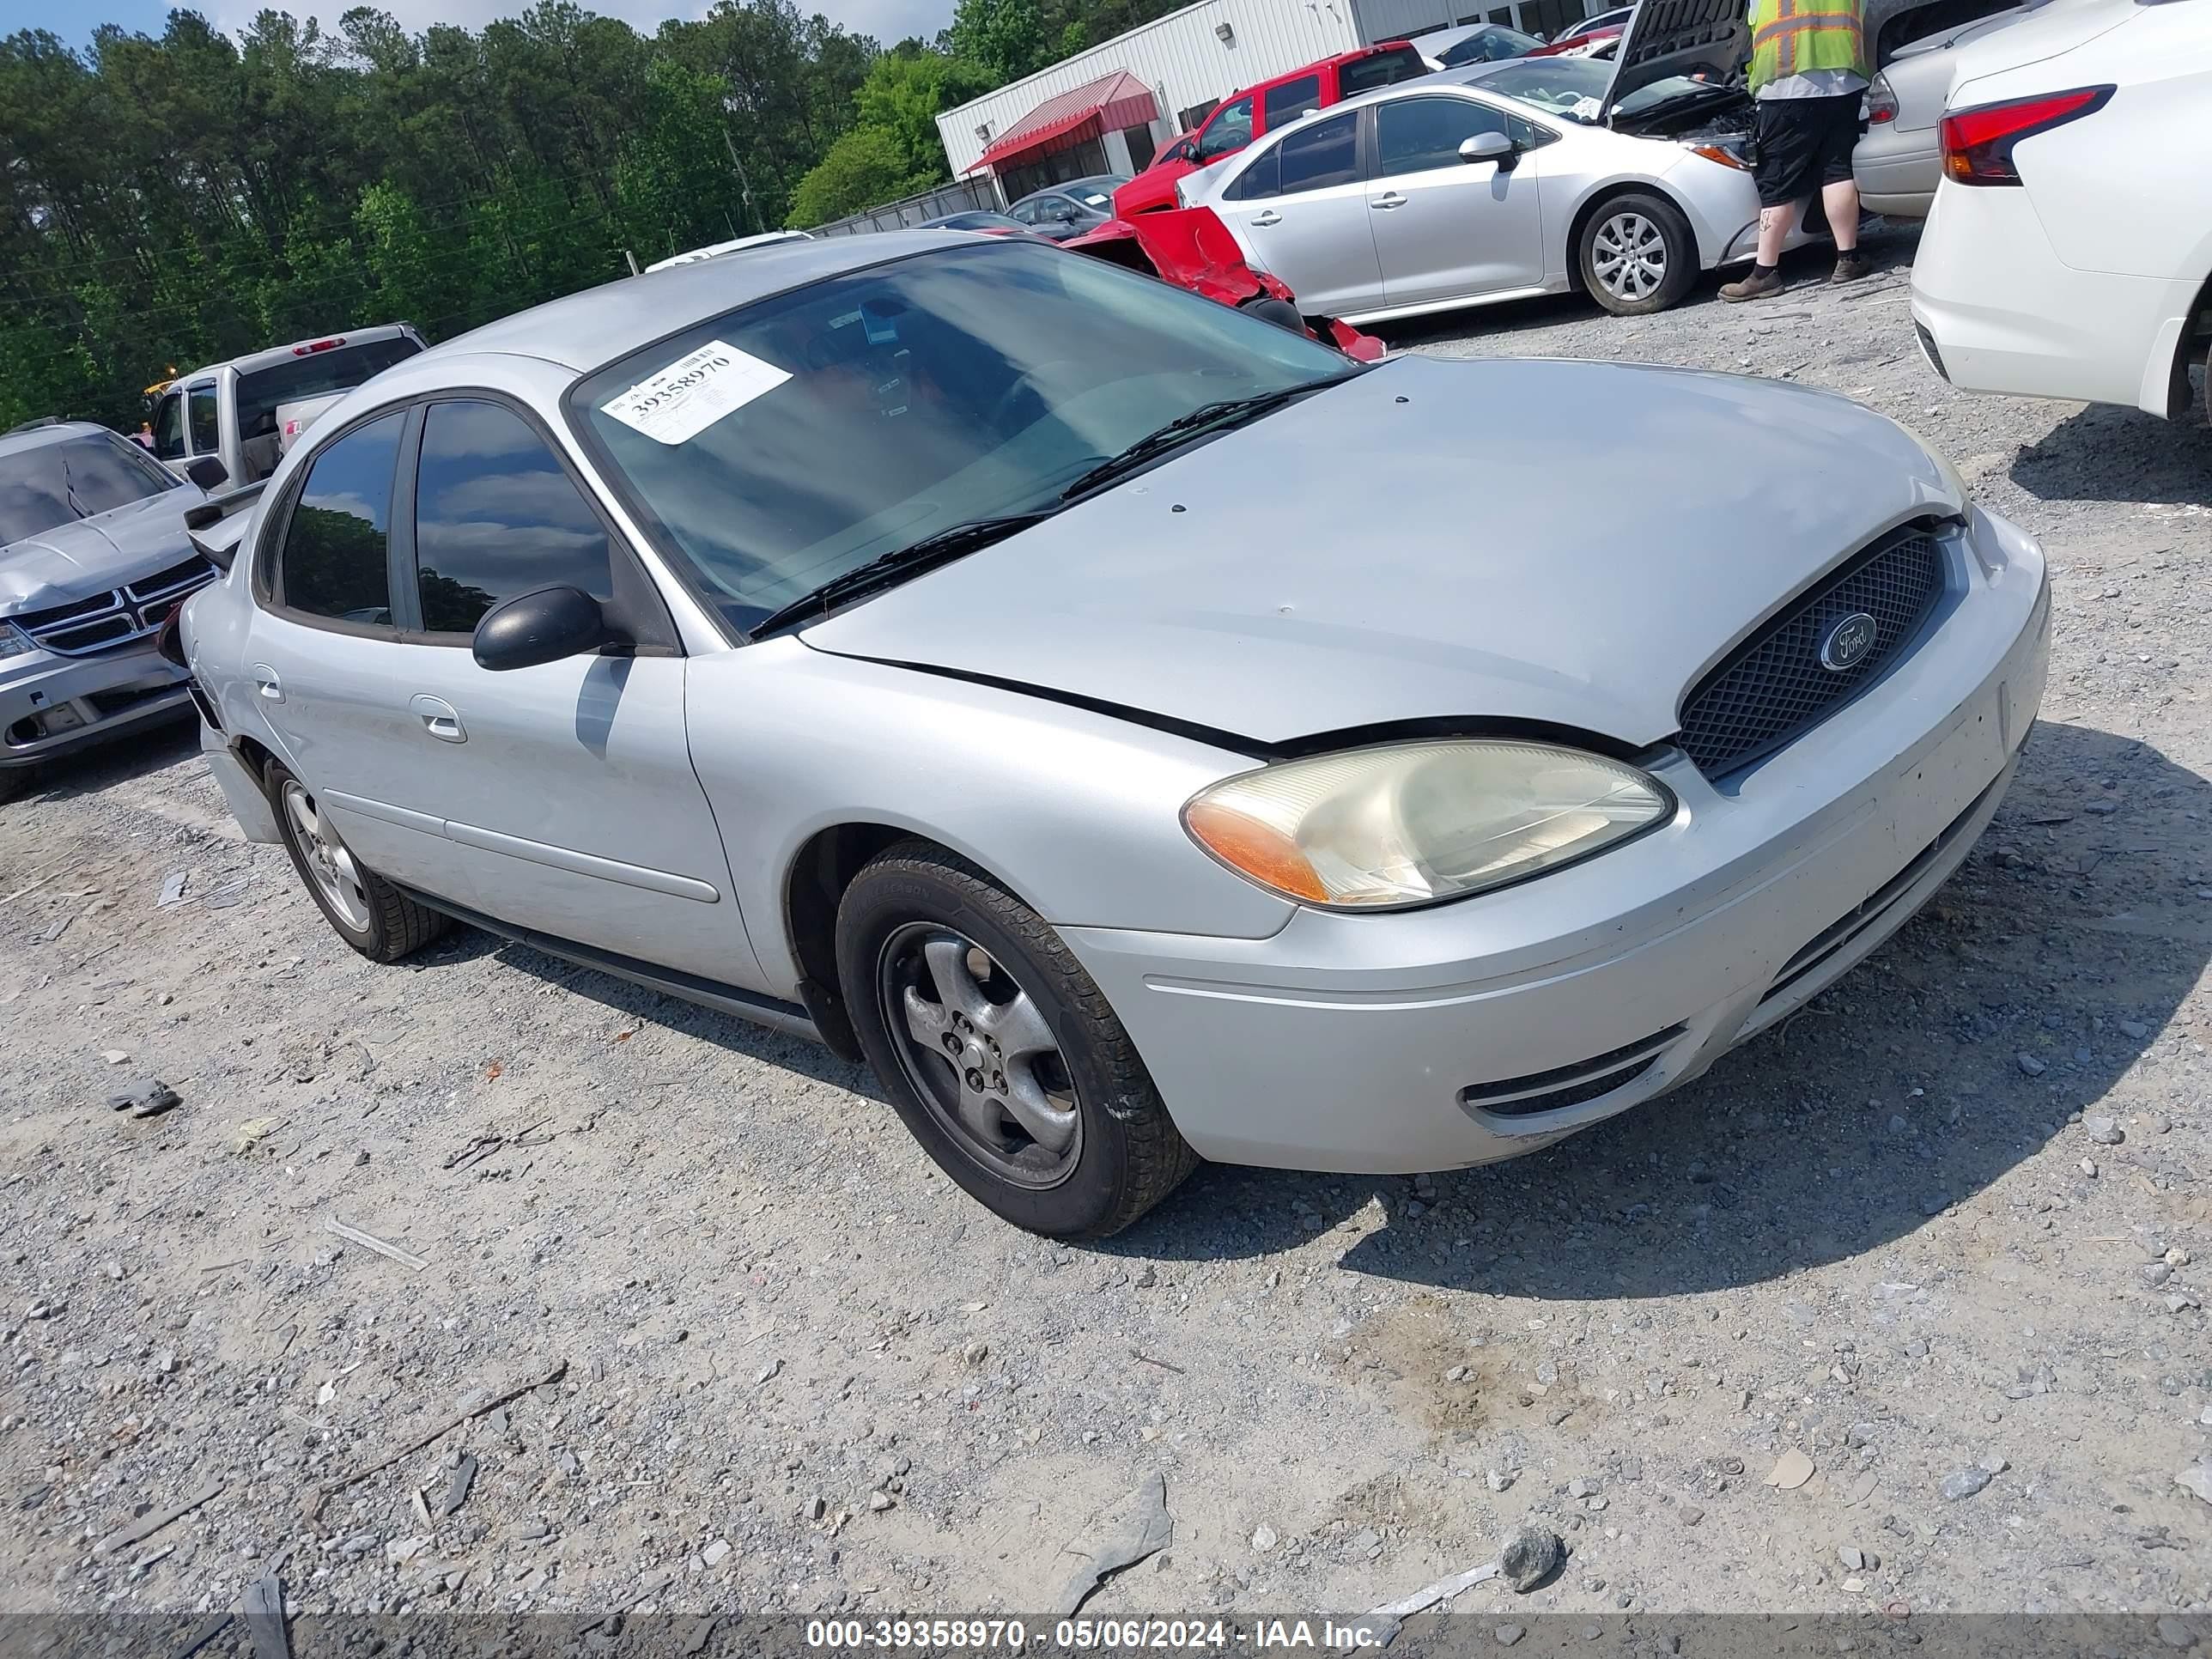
x,y
1805,143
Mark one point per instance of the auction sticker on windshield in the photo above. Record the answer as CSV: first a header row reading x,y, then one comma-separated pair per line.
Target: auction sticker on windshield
x,y
695,391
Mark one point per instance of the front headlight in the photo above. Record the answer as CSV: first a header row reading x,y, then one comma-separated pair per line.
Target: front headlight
x,y
1411,823
13,642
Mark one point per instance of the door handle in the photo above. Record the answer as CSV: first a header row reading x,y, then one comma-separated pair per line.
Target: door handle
x,y
439,718
1388,200
1269,217
266,683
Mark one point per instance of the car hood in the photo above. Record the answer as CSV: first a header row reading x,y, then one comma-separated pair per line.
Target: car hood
x,y
1707,38
1566,543
88,556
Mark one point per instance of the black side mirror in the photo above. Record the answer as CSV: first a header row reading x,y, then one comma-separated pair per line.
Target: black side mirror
x,y
208,471
541,626
1490,147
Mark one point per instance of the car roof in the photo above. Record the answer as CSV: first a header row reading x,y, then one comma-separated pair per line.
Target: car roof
x,y
582,330
30,437
282,354
1334,60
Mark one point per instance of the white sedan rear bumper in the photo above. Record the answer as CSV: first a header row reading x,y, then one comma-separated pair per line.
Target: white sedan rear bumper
x,y
1998,311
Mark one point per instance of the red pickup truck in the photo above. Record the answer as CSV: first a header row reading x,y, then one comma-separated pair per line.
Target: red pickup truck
x,y
1244,116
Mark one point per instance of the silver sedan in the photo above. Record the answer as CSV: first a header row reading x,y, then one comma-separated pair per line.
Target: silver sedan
x,y
1504,180
1100,710
1898,161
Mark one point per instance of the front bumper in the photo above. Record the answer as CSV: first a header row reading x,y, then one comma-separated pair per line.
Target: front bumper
x,y
1472,1031
2007,315
51,705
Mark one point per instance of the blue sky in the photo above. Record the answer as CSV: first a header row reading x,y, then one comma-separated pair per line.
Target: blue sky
x,y
887,20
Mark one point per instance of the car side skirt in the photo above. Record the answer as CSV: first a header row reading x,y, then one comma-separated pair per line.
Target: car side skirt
x,y
789,1017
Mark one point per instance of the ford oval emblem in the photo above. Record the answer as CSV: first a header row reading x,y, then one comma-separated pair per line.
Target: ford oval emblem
x,y
1847,642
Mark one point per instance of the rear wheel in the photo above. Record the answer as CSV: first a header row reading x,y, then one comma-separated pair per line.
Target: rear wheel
x,y
1002,1057
1638,255
369,912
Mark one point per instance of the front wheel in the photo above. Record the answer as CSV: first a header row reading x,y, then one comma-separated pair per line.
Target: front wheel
x,y
367,912
997,1050
1638,255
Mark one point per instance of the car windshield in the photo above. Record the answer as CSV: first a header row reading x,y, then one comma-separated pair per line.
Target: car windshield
x,y
1488,46
77,477
777,446
1574,89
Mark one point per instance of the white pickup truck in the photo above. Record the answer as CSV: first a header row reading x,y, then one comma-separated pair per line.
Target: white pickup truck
x,y
247,412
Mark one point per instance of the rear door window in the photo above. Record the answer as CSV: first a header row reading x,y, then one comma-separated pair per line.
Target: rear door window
x,y
1284,104
334,563
1324,154
495,515
200,418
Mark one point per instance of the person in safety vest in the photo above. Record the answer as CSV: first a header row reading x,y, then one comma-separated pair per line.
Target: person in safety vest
x,y
1809,74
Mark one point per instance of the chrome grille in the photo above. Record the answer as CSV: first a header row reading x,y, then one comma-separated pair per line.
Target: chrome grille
x,y
84,627
1775,687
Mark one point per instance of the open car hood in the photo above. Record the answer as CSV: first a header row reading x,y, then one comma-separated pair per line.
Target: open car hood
x,y
1708,39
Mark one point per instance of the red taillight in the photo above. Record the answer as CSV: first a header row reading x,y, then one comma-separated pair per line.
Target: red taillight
x,y
314,346
1882,102
1977,143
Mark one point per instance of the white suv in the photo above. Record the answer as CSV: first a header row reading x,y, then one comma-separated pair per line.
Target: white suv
x,y
2069,250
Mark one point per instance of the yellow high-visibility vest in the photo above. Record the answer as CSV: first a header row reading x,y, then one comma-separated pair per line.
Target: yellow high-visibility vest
x,y
1789,37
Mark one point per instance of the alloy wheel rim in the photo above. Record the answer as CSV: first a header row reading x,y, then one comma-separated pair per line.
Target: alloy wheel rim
x,y
979,1051
329,865
1630,255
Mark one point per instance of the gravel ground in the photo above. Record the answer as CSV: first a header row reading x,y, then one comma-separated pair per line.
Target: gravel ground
x,y
1897,1308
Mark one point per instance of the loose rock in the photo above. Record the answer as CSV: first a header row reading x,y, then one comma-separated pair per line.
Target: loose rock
x,y
1529,1555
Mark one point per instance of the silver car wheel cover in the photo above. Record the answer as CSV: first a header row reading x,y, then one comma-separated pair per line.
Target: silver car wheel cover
x,y
981,1054
1629,256
329,865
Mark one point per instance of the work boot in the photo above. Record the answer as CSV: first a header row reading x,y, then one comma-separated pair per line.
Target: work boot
x,y
1850,265
1763,281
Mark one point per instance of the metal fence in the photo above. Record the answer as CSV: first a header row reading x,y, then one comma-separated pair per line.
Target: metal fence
x,y
961,196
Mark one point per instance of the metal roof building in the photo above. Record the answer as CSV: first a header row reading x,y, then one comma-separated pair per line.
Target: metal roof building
x,y
1109,109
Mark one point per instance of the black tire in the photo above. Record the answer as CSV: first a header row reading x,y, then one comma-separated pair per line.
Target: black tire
x,y
1281,313
390,925
16,780
1620,218
1126,1156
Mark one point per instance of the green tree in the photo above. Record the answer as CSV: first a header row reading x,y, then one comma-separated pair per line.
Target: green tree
x,y
1005,38
903,95
862,170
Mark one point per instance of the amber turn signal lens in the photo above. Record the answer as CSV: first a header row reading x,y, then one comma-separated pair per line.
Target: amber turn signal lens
x,y
1268,855
1727,158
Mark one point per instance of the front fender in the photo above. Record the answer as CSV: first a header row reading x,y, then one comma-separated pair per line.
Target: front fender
x,y
1073,810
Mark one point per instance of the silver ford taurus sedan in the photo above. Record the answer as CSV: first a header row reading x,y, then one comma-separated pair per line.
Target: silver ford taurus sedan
x,y
1139,731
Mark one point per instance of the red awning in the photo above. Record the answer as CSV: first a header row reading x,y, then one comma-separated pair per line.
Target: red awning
x,y
1118,101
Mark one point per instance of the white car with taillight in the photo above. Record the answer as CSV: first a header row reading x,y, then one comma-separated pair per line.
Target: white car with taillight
x,y
2069,250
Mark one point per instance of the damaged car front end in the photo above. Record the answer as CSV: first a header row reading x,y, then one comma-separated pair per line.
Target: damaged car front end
x,y
1191,248
93,558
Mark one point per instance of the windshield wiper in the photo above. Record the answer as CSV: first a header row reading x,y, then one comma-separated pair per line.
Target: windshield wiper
x,y
1222,413
939,548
